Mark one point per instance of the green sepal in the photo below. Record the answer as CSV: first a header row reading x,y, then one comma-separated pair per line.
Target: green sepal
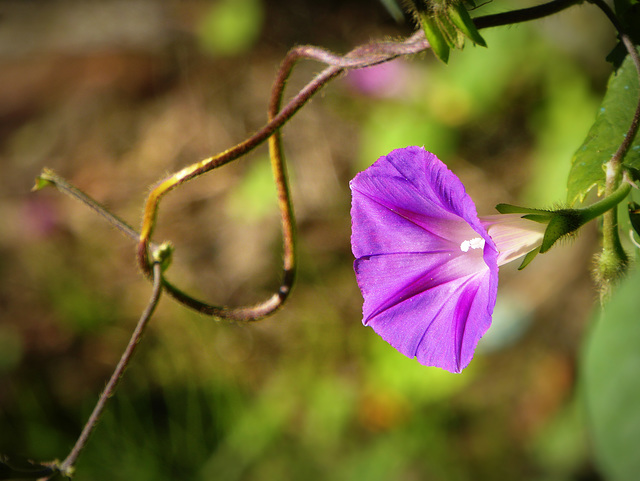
x,y
453,37
459,16
528,258
516,209
559,223
41,184
563,222
435,37
539,218
42,181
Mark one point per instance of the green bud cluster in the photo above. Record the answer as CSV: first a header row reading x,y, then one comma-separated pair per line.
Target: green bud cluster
x,y
446,23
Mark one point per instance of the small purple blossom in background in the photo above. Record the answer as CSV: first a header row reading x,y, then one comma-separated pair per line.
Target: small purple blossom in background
x,y
384,80
39,218
426,264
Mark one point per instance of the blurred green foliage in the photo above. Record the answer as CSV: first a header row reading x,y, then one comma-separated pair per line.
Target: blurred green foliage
x,y
610,389
439,104
231,27
255,197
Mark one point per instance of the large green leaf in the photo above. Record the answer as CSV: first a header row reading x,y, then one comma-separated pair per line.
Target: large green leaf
x,y
606,135
612,386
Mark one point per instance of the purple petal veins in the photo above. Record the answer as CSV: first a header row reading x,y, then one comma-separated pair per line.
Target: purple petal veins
x,y
425,263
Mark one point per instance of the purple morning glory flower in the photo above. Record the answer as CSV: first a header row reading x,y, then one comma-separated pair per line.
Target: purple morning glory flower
x,y
426,264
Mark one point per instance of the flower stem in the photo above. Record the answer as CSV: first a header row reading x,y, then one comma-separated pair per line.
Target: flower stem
x,y
360,57
605,205
524,14
49,177
613,261
66,468
616,159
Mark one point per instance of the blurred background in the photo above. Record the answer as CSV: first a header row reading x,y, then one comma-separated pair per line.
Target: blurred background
x,y
114,94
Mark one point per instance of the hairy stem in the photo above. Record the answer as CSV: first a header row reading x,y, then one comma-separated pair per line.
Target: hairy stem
x,y
616,159
49,177
67,466
613,260
269,305
360,57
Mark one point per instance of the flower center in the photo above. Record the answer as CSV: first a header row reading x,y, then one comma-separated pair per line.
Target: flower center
x,y
475,243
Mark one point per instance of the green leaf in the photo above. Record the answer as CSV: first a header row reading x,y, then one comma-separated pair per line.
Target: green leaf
x,y
610,368
461,19
606,135
436,39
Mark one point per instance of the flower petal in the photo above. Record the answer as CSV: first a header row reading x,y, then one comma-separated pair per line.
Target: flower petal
x,y
414,184
428,289
427,312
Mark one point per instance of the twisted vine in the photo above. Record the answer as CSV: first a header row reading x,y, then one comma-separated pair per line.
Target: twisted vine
x,y
153,258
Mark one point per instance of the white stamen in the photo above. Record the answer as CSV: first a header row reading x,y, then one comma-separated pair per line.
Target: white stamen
x,y
475,243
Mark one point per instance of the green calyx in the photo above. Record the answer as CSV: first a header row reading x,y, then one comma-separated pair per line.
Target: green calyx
x,y
435,37
563,222
528,258
43,180
459,16
446,24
